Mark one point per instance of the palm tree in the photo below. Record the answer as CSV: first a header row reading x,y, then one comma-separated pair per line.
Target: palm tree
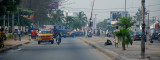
x,y
81,17
126,22
58,17
123,36
69,22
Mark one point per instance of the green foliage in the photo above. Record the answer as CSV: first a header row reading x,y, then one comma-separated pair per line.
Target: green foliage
x,y
102,24
123,36
9,36
23,21
76,22
58,17
126,22
8,5
69,22
138,15
81,18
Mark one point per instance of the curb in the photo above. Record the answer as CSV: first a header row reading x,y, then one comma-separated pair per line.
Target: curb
x,y
6,49
109,53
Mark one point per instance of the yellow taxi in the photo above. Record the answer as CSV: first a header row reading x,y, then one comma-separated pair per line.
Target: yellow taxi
x,y
45,36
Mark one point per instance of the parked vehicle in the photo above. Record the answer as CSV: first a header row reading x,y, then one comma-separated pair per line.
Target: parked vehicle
x,y
45,36
159,37
89,34
138,36
154,36
76,33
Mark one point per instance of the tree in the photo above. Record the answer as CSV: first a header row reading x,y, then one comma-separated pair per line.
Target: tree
x,y
123,36
126,22
81,18
8,5
103,24
23,21
138,15
69,22
57,17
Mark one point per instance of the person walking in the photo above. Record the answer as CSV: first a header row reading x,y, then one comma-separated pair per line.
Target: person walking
x,y
19,34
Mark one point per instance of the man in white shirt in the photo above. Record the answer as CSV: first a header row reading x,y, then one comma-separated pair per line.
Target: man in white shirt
x,y
19,34
115,38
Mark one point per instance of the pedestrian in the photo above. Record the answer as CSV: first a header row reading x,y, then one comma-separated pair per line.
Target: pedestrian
x,y
33,34
115,38
19,34
106,33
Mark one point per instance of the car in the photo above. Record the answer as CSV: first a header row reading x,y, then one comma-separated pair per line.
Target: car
x,y
45,36
158,36
154,36
89,34
138,36
76,33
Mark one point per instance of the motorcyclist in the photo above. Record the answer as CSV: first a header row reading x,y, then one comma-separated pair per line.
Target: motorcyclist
x,y
57,35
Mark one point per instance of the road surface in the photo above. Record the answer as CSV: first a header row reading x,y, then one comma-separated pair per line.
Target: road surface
x,y
69,49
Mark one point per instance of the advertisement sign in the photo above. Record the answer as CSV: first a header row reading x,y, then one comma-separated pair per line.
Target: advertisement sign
x,y
115,15
54,4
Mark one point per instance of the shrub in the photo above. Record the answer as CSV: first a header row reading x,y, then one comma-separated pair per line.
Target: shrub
x,y
9,36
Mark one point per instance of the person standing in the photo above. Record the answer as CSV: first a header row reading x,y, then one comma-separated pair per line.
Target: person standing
x,y
19,34
115,38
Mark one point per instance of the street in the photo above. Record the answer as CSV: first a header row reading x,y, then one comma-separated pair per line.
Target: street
x,y
69,49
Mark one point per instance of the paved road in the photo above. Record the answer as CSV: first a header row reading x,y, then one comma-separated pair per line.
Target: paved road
x,y
69,49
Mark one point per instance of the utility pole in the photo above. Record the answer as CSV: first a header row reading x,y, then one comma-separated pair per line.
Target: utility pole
x,y
143,30
148,26
91,22
125,9
95,23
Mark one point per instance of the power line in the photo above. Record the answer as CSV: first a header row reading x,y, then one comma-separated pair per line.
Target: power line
x,y
155,11
153,5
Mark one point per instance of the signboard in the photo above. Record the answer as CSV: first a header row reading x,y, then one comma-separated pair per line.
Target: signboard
x,y
54,4
114,22
115,15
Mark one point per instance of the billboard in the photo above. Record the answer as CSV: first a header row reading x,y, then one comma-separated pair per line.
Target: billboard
x,y
115,15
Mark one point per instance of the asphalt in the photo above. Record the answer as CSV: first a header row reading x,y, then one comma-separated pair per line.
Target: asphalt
x,y
69,49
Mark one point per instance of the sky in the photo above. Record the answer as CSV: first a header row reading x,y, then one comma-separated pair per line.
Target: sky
x,y
102,8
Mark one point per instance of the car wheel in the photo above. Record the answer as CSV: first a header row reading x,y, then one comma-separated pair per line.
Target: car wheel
x,y
52,42
39,42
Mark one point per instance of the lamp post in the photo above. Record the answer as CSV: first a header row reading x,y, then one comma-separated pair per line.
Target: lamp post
x,y
143,30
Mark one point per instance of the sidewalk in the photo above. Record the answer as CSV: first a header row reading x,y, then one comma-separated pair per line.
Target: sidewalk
x,y
133,52
10,43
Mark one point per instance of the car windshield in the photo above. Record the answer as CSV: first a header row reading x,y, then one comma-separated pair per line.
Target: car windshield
x,y
155,33
138,33
45,32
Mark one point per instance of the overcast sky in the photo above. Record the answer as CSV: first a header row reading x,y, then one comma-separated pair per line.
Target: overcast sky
x,y
105,6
